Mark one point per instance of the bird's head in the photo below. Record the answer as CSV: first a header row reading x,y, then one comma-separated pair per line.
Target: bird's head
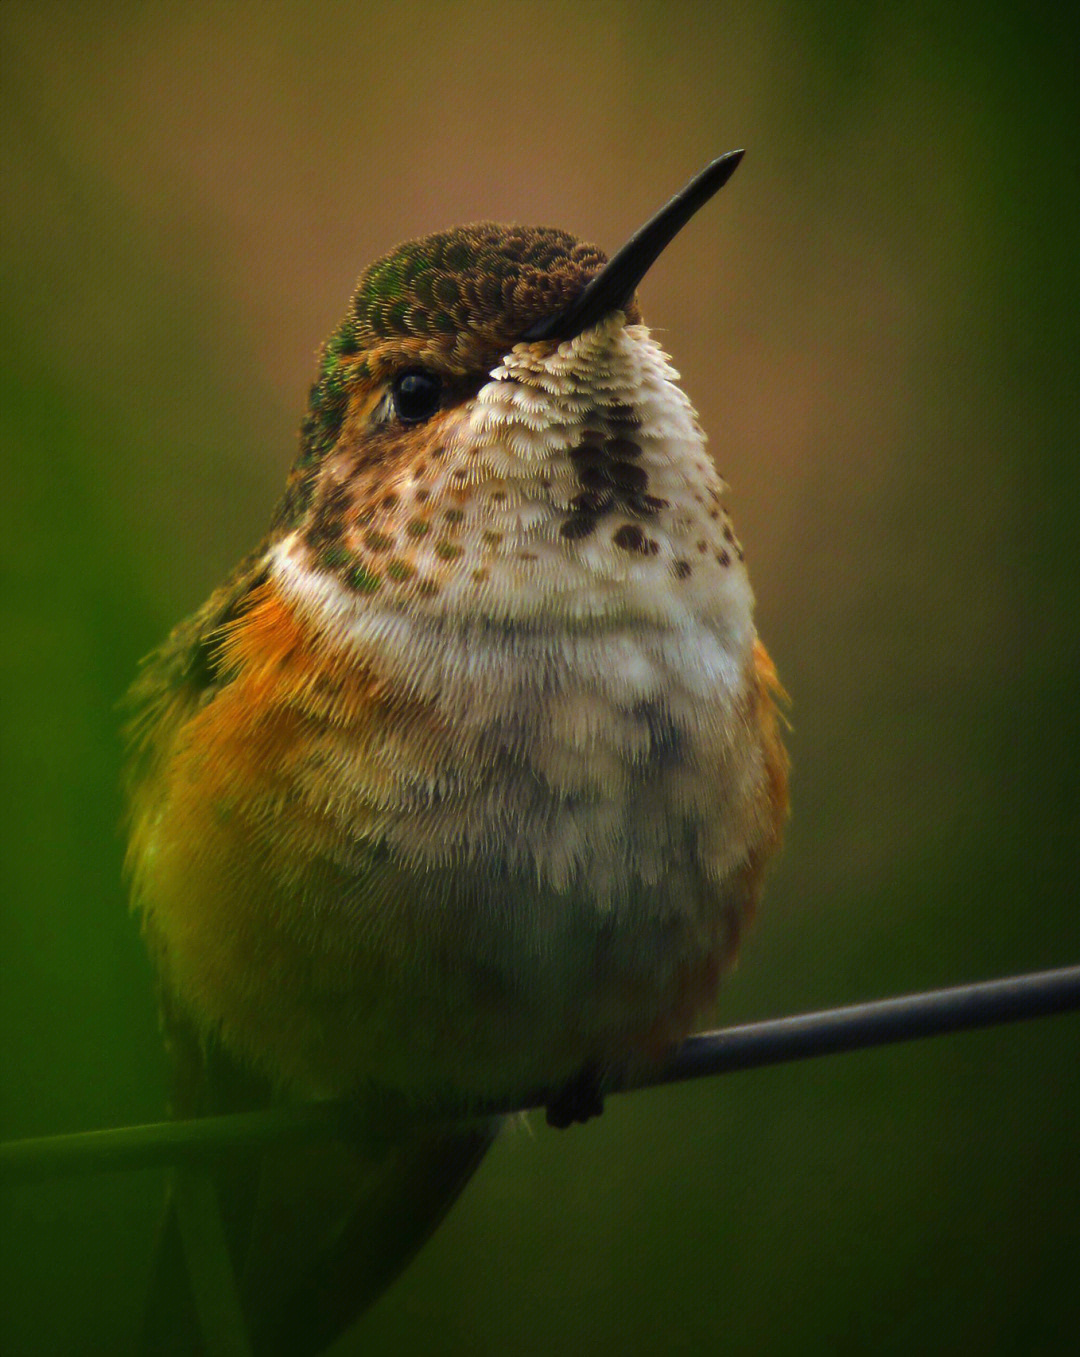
x,y
494,434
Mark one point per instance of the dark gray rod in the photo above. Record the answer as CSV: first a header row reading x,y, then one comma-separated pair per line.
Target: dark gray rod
x,y
908,1018
931,1014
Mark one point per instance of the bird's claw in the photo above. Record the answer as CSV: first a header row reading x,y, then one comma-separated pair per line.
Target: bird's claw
x,y
579,1100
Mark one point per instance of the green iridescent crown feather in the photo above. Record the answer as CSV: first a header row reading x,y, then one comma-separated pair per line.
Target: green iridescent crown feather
x,y
486,280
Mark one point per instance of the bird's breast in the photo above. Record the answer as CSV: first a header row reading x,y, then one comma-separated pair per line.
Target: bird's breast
x,y
474,856
586,756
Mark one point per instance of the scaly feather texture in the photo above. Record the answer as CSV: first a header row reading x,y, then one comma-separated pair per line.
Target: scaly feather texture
x,y
466,782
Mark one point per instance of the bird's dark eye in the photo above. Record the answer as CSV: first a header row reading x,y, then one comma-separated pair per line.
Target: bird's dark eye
x,y
416,394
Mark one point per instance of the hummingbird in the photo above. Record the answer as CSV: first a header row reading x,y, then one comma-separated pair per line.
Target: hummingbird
x,y
463,785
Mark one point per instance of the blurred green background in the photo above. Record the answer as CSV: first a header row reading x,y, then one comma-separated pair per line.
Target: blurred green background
x,y
878,321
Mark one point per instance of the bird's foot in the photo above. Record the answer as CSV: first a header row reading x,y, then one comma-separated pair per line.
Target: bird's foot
x,y
579,1100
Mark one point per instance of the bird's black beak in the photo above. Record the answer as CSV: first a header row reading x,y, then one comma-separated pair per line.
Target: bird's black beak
x,y
614,285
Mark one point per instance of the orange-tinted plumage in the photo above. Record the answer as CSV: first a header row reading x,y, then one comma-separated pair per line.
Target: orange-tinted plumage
x,y
258,844
467,781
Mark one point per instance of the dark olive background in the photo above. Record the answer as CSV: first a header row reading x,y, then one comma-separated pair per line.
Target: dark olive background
x,y
878,321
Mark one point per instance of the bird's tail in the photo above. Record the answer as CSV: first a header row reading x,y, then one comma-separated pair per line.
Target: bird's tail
x,y
279,1252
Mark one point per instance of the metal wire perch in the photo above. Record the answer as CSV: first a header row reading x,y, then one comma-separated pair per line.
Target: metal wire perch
x,y
801,1037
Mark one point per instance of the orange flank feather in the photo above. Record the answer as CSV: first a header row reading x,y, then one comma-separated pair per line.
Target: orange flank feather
x,y
770,697
241,863
699,985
